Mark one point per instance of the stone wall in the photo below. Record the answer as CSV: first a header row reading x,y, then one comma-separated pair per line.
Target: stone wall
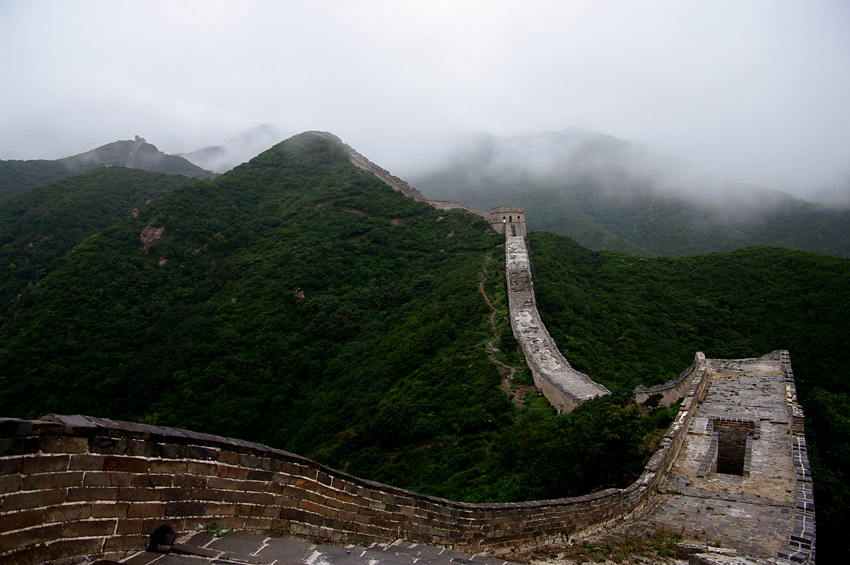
x,y
801,544
77,485
454,205
564,387
674,389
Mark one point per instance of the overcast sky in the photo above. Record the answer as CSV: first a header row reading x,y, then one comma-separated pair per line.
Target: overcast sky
x,y
755,91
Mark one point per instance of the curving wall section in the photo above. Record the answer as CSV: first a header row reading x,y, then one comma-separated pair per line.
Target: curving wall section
x,y
564,387
79,485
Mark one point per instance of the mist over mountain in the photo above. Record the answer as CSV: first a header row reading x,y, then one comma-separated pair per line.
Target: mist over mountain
x,y
237,150
609,193
16,176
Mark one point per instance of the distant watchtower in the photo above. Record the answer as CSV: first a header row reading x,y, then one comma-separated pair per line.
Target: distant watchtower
x,y
509,219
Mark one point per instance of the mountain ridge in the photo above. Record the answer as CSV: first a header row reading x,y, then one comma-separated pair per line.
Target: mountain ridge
x,y
17,176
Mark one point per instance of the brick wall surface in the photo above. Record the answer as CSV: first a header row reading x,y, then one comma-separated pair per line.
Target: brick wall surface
x,y
79,485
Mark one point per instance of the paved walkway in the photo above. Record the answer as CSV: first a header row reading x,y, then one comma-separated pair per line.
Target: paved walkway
x,y
258,549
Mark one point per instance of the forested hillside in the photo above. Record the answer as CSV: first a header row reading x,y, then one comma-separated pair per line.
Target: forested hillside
x,y
607,193
18,176
41,224
299,301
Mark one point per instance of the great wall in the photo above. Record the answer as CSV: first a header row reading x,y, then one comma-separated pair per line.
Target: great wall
x,y
731,474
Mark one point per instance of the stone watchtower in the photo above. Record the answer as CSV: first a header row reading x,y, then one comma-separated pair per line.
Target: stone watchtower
x,y
508,219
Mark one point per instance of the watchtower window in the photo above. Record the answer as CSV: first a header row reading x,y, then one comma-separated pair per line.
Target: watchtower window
x,y
732,446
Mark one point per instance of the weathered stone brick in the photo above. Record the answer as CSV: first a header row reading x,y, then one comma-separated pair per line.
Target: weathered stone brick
x,y
132,494
64,548
107,445
125,543
45,464
52,480
129,526
102,479
76,494
35,499
125,464
88,528
109,509
202,453
64,444
184,509
66,512
10,483
171,451
259,475
85,462
138,448
150,481
18,446
31,555
232,472
146,510
167,466
11,521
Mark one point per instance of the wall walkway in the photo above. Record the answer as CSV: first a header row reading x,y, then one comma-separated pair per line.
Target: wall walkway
x,y
563,386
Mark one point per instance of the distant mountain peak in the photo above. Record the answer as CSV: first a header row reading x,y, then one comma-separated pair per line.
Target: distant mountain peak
x,y
236,150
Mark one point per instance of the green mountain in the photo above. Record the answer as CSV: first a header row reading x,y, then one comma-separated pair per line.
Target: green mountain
x,y
299,301
18,176
43,223
610,194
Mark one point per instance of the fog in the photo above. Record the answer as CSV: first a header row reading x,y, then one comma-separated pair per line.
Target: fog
x,y
751,91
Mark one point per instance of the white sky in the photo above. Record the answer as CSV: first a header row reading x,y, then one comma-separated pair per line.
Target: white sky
x,y
753,90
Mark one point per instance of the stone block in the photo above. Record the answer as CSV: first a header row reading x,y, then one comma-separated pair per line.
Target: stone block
x,y
91,494
11,521
10,483
61,549
184,508
125,543
125,464
45,464
85,462
109,509
18,446
34,499
67,512
167,467
46,481
88,528
146,510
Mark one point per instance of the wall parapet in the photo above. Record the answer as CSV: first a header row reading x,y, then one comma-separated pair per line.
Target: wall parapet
x,y
674,389
81,485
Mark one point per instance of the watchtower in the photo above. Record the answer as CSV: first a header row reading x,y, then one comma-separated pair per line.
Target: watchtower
x,y
510,219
